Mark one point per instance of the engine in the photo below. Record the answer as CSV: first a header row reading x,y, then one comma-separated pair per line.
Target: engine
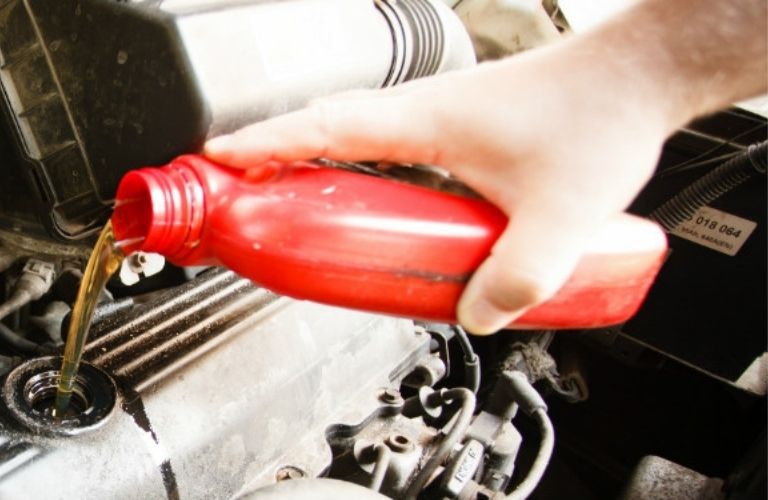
x,y
197,383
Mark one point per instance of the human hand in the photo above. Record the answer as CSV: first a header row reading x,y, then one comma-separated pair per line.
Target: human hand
x,y
531,134
559,138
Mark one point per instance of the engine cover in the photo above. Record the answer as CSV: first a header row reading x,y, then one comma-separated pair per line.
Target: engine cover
x,y
222,387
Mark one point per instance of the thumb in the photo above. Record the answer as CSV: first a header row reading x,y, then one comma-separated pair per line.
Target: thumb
x,y
529,263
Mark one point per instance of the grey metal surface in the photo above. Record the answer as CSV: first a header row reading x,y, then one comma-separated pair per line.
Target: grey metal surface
x,y
315,489
656,478
222,384
407,438
299,50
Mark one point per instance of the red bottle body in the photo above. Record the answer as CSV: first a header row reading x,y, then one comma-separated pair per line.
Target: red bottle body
x,y
346,239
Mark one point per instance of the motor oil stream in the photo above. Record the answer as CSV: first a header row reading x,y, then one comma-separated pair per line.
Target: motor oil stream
x,y
104,261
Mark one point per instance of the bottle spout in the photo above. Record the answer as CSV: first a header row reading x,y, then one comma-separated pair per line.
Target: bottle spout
x,y
133,213
123,244
128,201
159,210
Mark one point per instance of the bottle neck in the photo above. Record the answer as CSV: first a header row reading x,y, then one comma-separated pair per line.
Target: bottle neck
x,y
160,210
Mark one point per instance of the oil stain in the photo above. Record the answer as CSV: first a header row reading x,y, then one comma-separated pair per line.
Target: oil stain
x,y
133,405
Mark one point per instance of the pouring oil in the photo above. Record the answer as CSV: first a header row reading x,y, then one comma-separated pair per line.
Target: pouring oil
x,y
103,263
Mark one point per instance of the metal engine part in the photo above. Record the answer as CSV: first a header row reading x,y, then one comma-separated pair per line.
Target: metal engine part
x,y
218,389
502,27
656,478
90,89
223,387
30,389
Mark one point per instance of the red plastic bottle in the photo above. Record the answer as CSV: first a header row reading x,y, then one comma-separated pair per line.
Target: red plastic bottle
x,y
353,240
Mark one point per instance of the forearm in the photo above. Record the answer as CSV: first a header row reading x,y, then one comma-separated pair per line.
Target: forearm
x,y
684,57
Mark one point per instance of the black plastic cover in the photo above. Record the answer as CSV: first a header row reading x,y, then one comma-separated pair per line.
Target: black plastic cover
x,y
88,90
707,308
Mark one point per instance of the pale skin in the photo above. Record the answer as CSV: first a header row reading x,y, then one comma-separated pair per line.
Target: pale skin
x,y
560,138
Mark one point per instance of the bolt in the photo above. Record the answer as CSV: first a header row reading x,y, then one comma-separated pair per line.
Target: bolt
x,y
289,472
399,443
391,397
138,259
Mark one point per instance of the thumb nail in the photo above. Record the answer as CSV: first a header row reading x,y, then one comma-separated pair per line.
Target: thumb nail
x,y
481,317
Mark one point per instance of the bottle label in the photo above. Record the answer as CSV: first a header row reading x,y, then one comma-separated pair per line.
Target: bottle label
x,y
715,229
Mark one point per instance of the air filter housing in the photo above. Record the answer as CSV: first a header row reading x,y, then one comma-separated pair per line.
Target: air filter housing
x,y
90,89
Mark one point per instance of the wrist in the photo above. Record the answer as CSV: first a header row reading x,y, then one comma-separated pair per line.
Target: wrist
x,y
681,59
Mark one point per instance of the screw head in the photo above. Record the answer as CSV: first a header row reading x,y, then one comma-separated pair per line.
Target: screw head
x,y
289,472
390,396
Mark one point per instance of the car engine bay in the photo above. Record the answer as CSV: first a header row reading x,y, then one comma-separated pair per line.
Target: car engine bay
x,y
197,383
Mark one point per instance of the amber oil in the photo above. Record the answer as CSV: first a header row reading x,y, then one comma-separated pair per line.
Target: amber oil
x,y
104,261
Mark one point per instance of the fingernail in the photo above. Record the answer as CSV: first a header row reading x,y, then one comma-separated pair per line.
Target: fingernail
x,y
481,317
218,145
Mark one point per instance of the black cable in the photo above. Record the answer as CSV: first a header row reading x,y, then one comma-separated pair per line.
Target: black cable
x,y
684,164
19,342
471,360
19,299
462,420
540,463
711,186
521,392
684,167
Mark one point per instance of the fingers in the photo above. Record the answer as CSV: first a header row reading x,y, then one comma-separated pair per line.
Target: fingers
x,y
529,263
351,127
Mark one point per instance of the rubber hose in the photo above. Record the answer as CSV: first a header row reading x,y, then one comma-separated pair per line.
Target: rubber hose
x,y
15,302
463,418
471,360
9,336
711,186
540,463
